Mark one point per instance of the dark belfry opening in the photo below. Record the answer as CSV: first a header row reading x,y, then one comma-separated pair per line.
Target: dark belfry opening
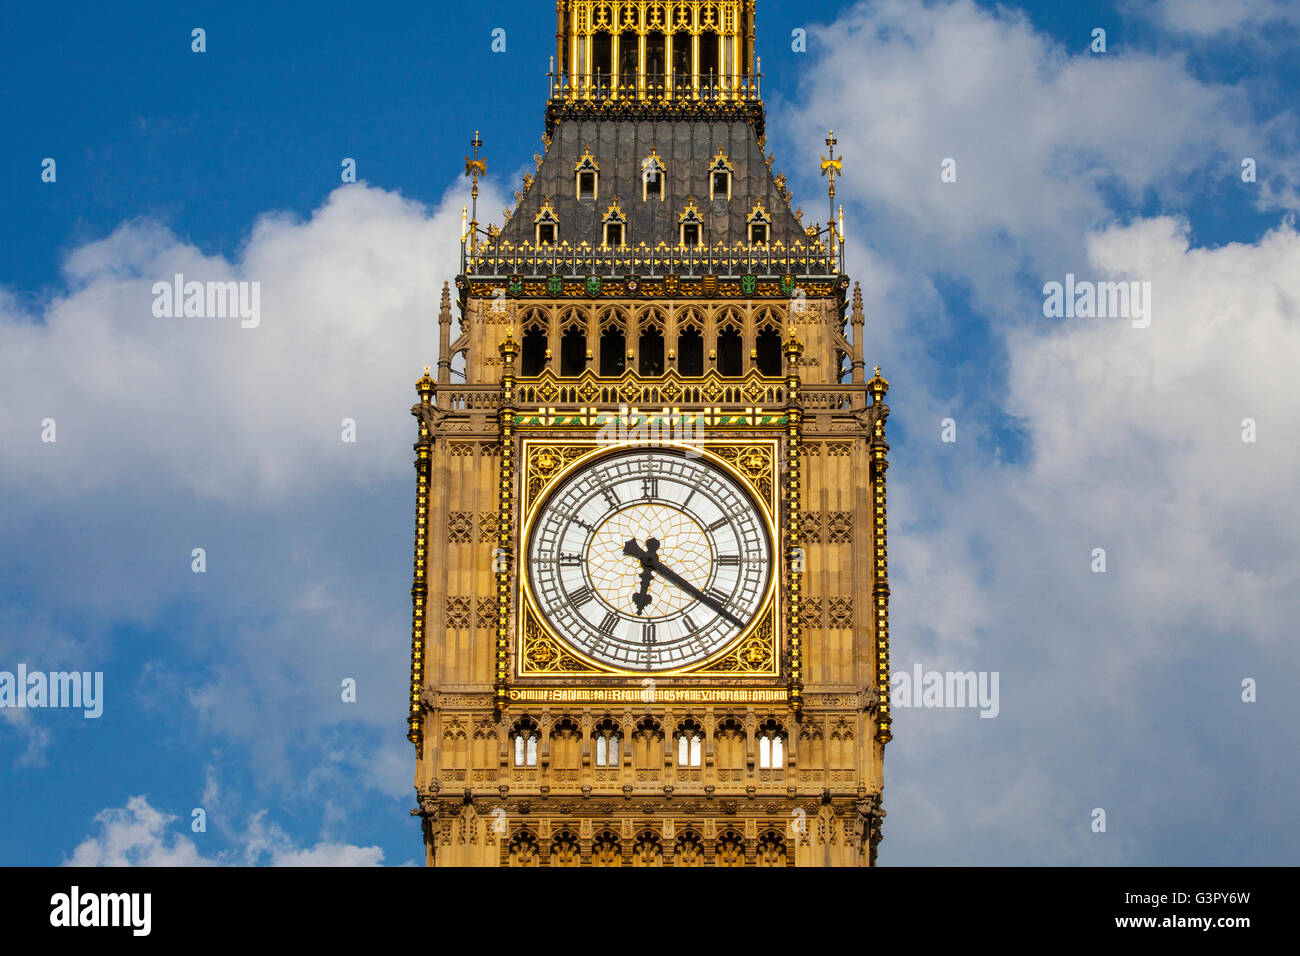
x,y
768,349
532,354
612,346
654,62
573,352
627,56
602,62
681,61
690,352
708,59
730,352
650,352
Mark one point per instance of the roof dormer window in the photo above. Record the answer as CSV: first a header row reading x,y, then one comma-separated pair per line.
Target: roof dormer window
x,y
587,175
614,226
692,226
760,225
720,172
547,225
653,174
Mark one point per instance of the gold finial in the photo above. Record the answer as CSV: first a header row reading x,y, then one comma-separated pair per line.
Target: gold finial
x,y
877,386
474,168
831,167
426,370
793,347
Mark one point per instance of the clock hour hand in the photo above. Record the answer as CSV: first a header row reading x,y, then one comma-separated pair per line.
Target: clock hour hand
x,y
642,597
651,562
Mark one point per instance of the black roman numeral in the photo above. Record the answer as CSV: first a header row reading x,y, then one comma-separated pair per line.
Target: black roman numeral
x,y
610,497
729,560
607,625
647,633
717,524
570,559
581,596
650,487
691,626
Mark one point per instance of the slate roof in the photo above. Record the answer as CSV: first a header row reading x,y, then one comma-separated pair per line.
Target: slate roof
x,y
687,148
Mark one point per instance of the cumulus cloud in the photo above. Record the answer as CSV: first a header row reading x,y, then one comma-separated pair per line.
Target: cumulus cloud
x,y
1046,139
176,433
140,835
1207,18
1118,690
348,298
136,835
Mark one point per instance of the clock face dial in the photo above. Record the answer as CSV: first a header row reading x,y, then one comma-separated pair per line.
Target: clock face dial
x,y
649,560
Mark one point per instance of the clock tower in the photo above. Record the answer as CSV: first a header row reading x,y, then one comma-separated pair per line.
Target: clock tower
x,y
650,596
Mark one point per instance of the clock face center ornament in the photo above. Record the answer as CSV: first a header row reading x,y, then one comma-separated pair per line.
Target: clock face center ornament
x,y
615,575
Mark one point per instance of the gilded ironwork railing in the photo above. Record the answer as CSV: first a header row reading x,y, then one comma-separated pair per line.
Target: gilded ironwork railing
x,y
671,390
695,87
502,258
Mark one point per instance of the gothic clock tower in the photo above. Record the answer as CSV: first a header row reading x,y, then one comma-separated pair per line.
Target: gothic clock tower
x,y
650,601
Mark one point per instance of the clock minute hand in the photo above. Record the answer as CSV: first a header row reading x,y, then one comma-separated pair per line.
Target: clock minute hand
x,y
671,575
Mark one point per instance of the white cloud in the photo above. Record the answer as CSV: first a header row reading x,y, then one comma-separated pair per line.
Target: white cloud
x,y
174,433
140,835
1213,18
349,300
1118,690
1045,138
136,835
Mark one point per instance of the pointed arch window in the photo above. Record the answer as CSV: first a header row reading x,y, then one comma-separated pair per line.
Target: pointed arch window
x,y
586,174
730,351
767,352
690,743
691,226
524,738
547,225
771,745
608,736
690,352
720,173
614,226
573,351
653,176
760,225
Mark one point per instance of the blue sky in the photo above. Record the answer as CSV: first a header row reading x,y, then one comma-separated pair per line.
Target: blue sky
x,y
1119,690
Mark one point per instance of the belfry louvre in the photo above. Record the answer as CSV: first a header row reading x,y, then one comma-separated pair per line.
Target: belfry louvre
x,y
650,601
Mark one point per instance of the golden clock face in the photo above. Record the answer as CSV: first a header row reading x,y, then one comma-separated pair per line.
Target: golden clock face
x,y
649,560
